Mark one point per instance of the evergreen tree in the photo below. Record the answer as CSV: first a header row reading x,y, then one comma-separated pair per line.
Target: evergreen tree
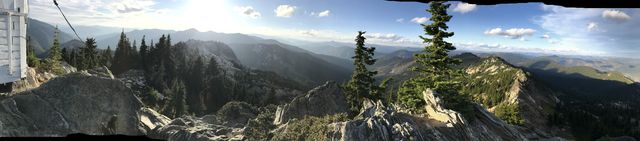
x,y
65,55
361,84
73,58
106,57
55,56
121,59
172,60
215,89
32,60
133,55
195,86
178,104
89,55
435,67
144,51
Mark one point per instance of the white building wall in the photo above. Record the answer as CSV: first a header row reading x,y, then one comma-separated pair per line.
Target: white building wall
x,y
13,49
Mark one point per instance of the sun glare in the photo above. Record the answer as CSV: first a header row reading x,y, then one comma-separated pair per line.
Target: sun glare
x,y
209,15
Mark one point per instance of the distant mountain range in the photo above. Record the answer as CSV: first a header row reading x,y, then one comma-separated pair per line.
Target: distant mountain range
x,y
336,53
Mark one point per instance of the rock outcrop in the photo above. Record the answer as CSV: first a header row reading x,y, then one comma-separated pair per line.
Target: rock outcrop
x,y
150,119
323,100
436,111
189,128
35,78
229,123
381,123
74,103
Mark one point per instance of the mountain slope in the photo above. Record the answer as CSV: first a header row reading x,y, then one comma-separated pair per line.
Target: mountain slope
x,y
302,67
593,103
41,35
177,36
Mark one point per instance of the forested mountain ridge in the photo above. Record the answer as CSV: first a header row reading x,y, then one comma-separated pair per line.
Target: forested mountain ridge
x,y
302,67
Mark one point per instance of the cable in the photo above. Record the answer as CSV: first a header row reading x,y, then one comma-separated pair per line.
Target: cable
x,y
65,18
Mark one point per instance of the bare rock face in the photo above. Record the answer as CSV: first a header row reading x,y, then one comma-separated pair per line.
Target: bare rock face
x,y
74,103
228,124
188,128
380,123
150,119
326,99
437,112
377,122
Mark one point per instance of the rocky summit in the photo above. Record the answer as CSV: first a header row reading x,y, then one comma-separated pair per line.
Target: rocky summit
x,y
72,104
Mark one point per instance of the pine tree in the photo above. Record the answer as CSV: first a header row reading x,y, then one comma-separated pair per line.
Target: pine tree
x,y
121,59
435,67
215,95
73,58
362,83
106,57
32,60
195,86
133,55
55,56
89,55
144,51
65,55
178,103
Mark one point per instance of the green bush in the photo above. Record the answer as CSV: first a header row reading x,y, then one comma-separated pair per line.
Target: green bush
x,y
510,113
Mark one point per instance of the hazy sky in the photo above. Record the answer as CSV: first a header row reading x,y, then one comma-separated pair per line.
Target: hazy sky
x,y
531,27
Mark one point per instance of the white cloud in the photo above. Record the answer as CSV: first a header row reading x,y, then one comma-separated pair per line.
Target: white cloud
x,y
483,47
116,13
131,6
391,38
285,11
513,33
615,15
380,36
419,20
249,11
545,36
324,13
586,28
400,20
592,26
464,7
311,32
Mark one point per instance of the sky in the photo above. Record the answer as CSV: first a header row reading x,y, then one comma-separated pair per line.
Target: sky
x,y
524,27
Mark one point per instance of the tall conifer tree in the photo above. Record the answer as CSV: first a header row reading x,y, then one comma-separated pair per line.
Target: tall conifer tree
x,y
361,84
435,67
55,55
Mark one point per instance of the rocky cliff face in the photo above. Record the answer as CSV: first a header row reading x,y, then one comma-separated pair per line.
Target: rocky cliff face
x,y
324,100
74,103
